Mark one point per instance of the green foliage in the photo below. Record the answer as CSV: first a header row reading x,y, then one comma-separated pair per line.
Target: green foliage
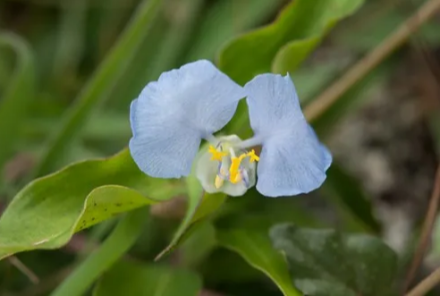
x,y
257,250
116,245
18,95
129,278
220,241
281,46
326,262
46,213
224,21
96,90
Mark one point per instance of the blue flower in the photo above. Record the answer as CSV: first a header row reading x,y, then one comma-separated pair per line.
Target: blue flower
x,y
292,160
171,117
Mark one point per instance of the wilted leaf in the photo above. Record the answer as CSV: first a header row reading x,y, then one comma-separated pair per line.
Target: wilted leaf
x,y
326,262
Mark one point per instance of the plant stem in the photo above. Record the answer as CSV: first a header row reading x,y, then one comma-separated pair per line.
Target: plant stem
x,y
426,285
119,242
370,61
428,225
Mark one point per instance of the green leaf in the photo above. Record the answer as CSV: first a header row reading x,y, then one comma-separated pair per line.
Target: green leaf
x,y
70,43
290,56
114,247
281,46
46,213
97,89
223,21
200,206
284,44
18,95
257,250
326,262
130,278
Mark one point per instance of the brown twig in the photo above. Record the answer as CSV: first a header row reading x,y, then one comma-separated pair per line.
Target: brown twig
x,y
425,237
426,285
371,60
24,269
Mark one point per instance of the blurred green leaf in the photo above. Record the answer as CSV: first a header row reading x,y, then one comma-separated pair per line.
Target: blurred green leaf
x,y
70,43
46,213
326,262
130,278
346,191
170,33
97,89
18,95
138,72
311,79
292,54
284,44
377,22
114,247
223,20
198,245
183,17
257,250
263,212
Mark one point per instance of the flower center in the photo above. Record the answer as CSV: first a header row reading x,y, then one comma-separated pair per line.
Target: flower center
x,y
230,165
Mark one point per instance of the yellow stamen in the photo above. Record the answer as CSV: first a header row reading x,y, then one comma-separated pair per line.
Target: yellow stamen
x,y
216,155
234,173
253,157
218,182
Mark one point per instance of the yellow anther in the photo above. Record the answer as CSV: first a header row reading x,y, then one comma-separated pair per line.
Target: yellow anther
x,y
253,156
218,182
234,173
216,155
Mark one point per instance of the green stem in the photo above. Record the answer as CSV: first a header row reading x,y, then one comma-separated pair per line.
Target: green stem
x,y
119,242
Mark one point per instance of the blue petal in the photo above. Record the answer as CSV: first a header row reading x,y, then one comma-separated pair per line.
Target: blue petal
x,y
292,160
172,115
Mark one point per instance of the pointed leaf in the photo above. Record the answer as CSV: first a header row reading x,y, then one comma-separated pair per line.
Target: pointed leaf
x,y
290,56
46,213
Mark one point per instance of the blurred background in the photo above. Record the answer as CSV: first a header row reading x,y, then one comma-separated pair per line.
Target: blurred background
x,y
384,132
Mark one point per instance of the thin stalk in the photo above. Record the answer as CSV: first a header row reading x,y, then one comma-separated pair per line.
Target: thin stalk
x,y
316,108
118,243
